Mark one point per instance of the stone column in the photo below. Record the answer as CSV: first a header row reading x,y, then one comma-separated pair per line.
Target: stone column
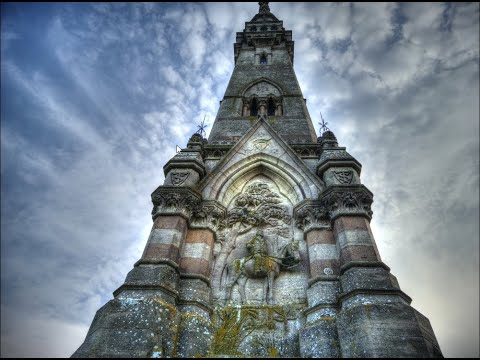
x,y
355,241
246,107
186,168
278,107
158,266
319,338
262,103
195,293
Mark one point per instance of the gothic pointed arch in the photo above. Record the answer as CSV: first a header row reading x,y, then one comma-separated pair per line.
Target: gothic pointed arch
x,y
264,81
293,186
275,158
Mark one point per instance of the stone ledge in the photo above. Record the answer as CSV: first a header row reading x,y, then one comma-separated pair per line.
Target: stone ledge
x,y
200,304
196,277
185,164
157,262
170,292
352,264
317,307
326,164
322,278
345,296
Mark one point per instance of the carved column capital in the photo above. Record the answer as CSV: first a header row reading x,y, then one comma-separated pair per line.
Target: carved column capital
x,y
174,200
341,200
311,214
209,214
262,102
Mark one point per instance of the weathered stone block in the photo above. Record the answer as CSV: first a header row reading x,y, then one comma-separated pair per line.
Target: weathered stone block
x,y
357,253
382,330
132,327
320,237
324,267
323,293
320,340
374,278
195,290
195,333
171,222
343,223
195,266
153,275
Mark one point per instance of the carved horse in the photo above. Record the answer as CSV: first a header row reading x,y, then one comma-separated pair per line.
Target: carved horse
x,y
240,270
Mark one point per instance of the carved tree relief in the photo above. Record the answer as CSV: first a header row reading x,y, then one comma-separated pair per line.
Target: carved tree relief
x,y
257,206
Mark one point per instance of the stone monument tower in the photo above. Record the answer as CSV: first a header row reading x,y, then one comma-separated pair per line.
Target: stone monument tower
x,y
261,244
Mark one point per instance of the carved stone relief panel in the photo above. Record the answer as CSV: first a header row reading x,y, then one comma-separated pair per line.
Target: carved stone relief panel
x,y
260,261
262,141
341,176
178,178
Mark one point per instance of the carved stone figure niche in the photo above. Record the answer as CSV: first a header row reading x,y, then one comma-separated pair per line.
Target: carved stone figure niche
x,y
262,257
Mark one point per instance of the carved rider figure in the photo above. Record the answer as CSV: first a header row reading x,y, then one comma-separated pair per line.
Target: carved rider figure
x,y
257,247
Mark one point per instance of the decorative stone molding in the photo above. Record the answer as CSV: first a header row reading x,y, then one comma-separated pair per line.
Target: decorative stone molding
x,y
311,215
307,150
174,200
188,203
216,151
341,200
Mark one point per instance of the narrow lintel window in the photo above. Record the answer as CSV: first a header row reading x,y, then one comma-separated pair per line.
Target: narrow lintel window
x,y
270,107
263,59
254,108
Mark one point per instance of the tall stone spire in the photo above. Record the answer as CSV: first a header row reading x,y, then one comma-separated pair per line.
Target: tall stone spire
x,y
263,82
261,243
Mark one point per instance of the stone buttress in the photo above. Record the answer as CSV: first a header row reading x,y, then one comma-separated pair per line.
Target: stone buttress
x,y
261,242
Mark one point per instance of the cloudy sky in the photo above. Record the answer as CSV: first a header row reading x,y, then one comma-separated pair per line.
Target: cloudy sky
x,y
94,98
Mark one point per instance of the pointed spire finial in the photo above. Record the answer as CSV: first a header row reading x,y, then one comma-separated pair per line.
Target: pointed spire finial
x,y
323,125
264,7
201,127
